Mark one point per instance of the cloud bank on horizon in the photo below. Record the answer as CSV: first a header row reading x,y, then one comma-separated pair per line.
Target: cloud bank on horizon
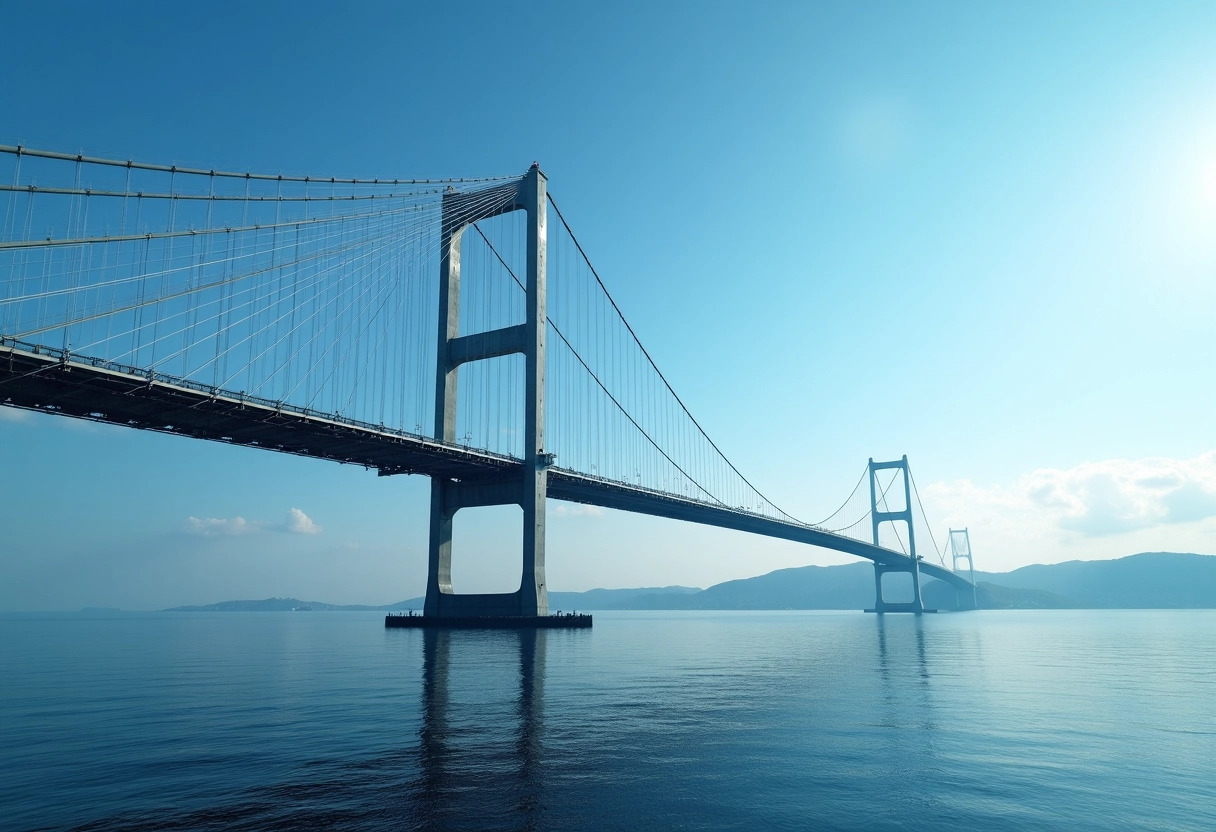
x,y
1102,509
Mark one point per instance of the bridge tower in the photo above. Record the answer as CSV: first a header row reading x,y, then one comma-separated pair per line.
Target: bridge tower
x,y
960,549
528,492
877,517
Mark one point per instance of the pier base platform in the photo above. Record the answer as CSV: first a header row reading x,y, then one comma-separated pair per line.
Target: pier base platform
x,y
565,621
901,608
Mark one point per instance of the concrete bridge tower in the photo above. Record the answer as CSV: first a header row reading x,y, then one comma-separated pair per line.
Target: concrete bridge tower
x,y
877,517
528,492
960,549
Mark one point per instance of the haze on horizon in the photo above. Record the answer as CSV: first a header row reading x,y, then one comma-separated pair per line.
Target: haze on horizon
x,y
980,235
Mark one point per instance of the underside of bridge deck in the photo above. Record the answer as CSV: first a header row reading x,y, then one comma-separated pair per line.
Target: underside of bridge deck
x,y
58,383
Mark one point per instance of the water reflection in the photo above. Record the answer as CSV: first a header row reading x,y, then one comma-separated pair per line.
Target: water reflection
x,y
905,670
480,741
909,650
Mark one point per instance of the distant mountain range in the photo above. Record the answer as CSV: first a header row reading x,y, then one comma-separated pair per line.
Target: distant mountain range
x,y
599,599
1150,580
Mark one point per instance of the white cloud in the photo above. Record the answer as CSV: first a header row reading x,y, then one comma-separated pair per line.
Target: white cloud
x,y
296,522
300,523
1121,495
577,510
222,526
1095,509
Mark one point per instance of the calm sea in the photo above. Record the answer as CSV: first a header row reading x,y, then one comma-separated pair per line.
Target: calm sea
x,y
309,720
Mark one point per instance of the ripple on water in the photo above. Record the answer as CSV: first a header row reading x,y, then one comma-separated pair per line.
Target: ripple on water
x,y
998,721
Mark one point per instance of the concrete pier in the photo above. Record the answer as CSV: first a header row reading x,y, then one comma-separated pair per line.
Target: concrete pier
x,y
565,621
882,605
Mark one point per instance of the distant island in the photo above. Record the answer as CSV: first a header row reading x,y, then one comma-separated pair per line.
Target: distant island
x,y
1150,580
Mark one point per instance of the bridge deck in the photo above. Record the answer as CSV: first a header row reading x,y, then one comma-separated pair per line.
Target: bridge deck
x,y
53,381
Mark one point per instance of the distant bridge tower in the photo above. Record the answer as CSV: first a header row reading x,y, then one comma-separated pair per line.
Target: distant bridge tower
x,y
447,495
877,517
960,549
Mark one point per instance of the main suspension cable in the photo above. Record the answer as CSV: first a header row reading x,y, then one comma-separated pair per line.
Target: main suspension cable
x,y
659,372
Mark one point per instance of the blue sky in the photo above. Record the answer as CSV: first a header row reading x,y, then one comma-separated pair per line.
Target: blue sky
x,y
983,235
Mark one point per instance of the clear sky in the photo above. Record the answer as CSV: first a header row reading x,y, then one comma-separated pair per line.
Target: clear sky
x,y
980,234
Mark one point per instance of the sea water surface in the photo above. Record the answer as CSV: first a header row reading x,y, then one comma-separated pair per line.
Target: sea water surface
x,y
1032,720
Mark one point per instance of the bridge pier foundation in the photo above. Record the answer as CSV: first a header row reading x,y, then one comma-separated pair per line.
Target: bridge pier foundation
x,y
882,605
447,498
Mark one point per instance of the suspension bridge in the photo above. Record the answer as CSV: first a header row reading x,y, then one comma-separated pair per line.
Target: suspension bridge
x,y
453,328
